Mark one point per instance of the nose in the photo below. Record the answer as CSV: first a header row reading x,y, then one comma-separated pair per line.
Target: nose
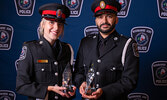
x,y
105,19
56,26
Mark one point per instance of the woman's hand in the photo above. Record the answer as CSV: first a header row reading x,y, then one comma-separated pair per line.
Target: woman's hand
x,y
59,90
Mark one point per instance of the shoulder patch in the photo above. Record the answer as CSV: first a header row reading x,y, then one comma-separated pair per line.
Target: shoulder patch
x,y
135,49
23,53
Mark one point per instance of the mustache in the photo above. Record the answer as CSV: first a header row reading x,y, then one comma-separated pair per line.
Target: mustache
x,y
105,24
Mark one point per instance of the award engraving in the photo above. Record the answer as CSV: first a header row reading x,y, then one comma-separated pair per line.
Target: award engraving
x,y
89,78
67,78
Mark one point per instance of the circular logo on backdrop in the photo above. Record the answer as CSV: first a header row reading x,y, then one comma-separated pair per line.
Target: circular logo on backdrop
x,y
4,36
73,4
141,38
25,4
164,5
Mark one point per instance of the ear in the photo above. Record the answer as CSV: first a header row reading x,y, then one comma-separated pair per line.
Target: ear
x,y
116,20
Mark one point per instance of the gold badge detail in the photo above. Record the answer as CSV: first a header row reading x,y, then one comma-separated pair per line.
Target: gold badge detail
x,y
102,5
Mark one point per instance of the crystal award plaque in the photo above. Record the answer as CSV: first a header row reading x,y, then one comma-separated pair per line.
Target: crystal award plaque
x,y
89,78
67,78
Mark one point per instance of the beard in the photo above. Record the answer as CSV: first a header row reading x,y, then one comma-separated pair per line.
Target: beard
x,y
108,30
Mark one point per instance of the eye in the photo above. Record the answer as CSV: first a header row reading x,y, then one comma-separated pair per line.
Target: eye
x,y
110,16
51,22
100,16
60,24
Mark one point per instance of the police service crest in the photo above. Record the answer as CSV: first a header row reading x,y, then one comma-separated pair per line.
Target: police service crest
x,y
162,8
23,53
90,30
135,49
143,36
159,73
75,7
125,5
138,96
6,35
7,95
24,7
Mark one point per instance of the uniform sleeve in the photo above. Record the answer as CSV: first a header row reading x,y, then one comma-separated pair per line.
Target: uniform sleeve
x,y
128,81
25,83
79,68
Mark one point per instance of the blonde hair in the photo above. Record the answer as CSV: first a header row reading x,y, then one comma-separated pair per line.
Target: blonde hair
x,y
41,29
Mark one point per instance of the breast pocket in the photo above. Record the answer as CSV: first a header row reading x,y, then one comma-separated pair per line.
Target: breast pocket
x,y
43,73
113,73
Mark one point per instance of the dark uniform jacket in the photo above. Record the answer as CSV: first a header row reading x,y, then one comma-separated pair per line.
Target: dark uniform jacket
x,y
116,79
38,68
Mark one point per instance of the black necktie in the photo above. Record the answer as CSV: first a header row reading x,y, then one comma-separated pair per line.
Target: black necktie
x,y
101,47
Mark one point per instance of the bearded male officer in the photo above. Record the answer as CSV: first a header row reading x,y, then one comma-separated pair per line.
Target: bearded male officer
x,y
115,57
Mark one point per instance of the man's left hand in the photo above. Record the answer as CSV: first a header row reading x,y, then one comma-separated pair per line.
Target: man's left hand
x,y
94,95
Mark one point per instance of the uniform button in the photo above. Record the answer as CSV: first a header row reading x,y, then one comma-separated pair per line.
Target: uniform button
x,y
94,37
41,42
97,85
56,74
56,97
56,63
114,68
115,38
99,61
97,73
42,69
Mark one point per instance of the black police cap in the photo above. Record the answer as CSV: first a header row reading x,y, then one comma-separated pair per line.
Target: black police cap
x,y
102,6
54,11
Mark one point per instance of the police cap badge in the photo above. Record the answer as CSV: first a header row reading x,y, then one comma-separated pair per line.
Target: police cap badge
x,y
54,11
102,6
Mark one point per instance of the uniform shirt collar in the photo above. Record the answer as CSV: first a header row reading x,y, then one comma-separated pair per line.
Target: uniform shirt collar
x,y
101,39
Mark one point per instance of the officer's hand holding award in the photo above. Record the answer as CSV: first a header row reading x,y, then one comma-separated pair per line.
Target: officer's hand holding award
x,y
67,82
67,89
87,89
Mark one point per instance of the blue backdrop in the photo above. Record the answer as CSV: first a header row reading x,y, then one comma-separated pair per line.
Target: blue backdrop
x,y
144,20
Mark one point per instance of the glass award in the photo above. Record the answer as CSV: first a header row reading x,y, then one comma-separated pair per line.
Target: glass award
x,y
67,78
89,79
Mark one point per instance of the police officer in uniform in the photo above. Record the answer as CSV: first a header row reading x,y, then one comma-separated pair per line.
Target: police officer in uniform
x,y
42,62
115,58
